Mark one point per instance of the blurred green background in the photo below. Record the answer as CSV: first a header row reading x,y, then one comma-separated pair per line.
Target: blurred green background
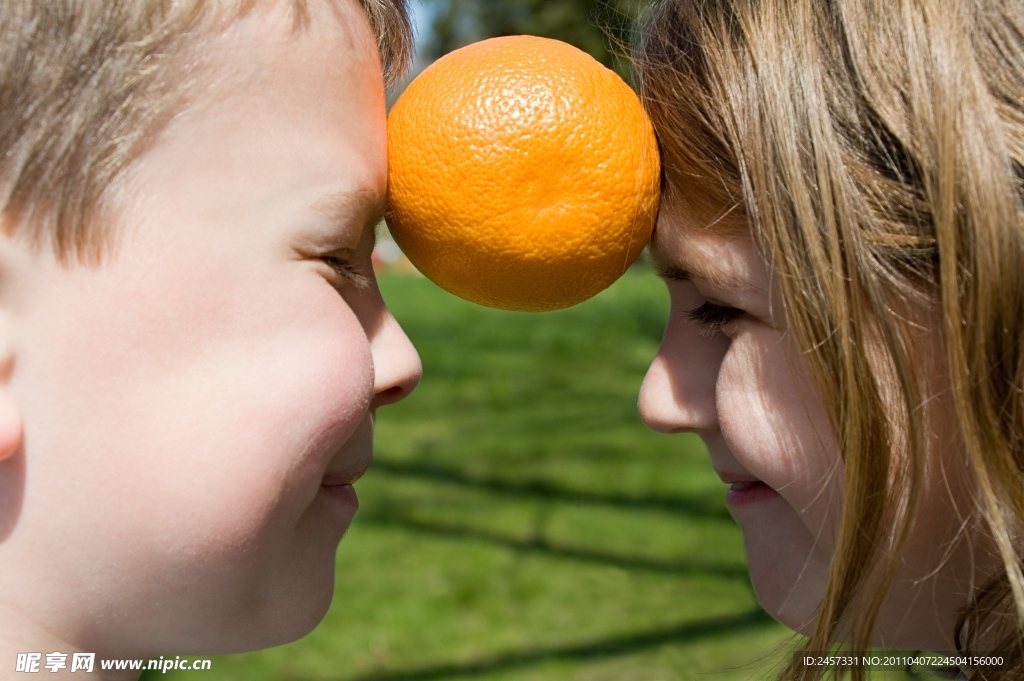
x,y
603,28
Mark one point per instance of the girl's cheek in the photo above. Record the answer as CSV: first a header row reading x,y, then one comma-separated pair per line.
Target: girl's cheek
x,y
745,402
776,427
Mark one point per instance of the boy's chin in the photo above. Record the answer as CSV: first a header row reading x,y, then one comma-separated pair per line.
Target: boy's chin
x,y
289,614
298,614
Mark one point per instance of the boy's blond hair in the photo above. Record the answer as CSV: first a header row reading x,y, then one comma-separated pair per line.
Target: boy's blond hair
x,y
86,85
876,150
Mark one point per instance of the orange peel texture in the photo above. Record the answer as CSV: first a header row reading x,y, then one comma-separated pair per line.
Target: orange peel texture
x,y
523,174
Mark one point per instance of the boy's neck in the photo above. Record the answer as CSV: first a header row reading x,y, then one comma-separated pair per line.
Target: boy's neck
x,y
25,645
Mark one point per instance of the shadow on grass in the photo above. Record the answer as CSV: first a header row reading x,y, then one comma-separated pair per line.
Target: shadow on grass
x,y
593,650
540,545
691,508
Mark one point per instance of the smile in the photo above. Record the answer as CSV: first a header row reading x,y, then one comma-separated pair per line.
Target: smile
x,y
748,492
347,467
343,478
337,484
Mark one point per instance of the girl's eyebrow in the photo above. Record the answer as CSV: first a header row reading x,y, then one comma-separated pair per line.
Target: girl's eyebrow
x,y
699,271
671,272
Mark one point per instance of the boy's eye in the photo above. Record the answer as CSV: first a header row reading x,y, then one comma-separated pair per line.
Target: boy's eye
x,y
713,317
347,272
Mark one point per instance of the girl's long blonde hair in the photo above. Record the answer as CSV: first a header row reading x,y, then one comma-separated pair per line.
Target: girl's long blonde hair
x,y
876,148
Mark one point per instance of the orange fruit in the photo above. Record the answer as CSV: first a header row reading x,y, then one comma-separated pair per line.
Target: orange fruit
x,y
522,174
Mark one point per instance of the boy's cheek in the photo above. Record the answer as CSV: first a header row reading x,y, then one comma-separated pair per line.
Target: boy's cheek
x,y
217,350
246,415
197,426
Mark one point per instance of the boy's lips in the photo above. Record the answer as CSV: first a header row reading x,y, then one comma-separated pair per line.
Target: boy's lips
x,y
348,473
352,458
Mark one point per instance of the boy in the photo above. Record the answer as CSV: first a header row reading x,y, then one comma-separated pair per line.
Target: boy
x,y
192,343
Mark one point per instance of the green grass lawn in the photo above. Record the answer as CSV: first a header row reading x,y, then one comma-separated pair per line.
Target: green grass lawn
x,y
520,522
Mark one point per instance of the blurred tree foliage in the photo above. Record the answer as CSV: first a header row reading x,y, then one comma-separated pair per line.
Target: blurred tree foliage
x,y
603,28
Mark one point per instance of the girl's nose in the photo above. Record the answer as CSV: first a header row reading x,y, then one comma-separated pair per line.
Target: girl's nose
x,y
678,392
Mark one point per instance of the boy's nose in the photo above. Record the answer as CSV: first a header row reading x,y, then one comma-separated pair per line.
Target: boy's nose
x,y
678,392
396,364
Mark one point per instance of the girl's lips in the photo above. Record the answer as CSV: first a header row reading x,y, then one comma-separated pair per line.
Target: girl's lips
x,y
747,492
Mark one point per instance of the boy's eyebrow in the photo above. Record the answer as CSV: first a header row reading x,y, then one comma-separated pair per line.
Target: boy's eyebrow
x,y
364,205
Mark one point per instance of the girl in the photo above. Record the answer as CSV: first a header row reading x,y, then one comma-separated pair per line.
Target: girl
x,y
842,235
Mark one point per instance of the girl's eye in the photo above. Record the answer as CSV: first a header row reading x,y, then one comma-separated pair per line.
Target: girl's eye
x,y
713,317
347,271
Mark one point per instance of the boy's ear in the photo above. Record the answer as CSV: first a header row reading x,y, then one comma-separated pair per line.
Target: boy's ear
x,y
10,426
12,250
10,415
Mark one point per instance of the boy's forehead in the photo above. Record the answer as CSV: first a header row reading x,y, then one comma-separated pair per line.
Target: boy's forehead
x,y
268,58
286,130
248,47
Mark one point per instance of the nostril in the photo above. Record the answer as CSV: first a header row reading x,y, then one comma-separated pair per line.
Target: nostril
x,y
391,393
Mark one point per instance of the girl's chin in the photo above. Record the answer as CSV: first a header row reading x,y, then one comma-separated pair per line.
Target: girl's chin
x,y
787,569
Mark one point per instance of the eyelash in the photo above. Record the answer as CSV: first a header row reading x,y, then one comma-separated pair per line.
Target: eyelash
x,y
346,271
713,317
